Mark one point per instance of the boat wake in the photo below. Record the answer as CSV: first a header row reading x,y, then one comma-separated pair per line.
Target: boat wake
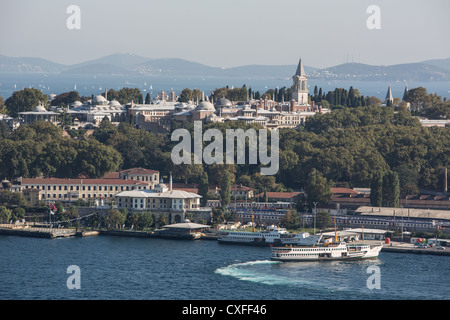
x,y
259,271
317,276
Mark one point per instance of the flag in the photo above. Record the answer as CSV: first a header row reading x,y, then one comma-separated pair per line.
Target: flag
x,y
52,209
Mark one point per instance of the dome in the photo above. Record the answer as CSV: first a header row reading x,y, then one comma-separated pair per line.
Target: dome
x,y
205,106
39,109
76,104
99,100
115,103
224,102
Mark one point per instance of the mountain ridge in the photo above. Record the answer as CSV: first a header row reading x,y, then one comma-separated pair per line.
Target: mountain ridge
x,y
130,64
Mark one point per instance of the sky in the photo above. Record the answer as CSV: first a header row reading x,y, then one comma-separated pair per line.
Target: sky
x,y
228,33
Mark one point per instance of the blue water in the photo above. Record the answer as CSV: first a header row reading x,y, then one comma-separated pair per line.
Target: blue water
x,y
155,269
89,85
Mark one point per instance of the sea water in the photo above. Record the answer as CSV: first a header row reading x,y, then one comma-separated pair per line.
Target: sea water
x,y
87,85
159,269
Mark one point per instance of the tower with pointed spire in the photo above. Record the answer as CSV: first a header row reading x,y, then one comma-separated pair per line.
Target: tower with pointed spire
x,y
389,98
300,90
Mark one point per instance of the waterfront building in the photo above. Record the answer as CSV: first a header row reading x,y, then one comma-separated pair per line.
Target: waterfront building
x,y
66,190
176,204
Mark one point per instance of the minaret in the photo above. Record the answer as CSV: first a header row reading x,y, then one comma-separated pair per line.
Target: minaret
x,y
300,91
389,99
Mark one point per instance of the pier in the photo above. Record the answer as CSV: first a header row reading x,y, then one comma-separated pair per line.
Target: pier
x,y
401,247
36,232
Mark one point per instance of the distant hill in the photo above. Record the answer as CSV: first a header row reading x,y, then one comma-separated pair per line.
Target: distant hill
x,y
399,72
442,63
284,71
28,65
174,67
129,64
98,69
123,60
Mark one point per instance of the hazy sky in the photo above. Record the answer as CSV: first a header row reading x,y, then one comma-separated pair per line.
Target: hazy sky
x,y
229,33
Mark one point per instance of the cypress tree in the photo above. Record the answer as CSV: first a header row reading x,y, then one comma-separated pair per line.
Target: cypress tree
x,y
376,190
203,189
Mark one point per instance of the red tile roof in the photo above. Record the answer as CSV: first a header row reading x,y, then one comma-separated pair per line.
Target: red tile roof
x,y
139,171
343,191
112,175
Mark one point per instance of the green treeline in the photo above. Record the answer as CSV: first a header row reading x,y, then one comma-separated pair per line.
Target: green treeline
x,y
348,147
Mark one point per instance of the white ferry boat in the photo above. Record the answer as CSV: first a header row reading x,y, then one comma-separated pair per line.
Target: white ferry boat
x,y
272,236
341,251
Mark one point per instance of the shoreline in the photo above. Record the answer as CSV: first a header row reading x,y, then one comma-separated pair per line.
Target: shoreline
x,y
54,233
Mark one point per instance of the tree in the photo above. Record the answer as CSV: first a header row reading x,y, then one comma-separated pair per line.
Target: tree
x,y
65,120
225,192
185,95
318,189
144,220
290,220
376,190
5,214
65,99
391,189
418,98
323,219
114,218
24,100
203,189
162,220
147,99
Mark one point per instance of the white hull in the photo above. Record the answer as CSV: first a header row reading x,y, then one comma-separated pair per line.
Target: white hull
x,y
325,253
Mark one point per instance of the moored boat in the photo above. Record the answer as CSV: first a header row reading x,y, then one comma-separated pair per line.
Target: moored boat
x,y
271,236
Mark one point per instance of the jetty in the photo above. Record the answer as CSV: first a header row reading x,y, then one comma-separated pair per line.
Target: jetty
x,y
36,232
401,247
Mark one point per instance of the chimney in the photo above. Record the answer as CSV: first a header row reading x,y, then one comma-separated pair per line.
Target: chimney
x,y
170,182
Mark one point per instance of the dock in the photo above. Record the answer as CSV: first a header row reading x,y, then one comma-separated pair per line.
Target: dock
x,y
34,232
400,247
